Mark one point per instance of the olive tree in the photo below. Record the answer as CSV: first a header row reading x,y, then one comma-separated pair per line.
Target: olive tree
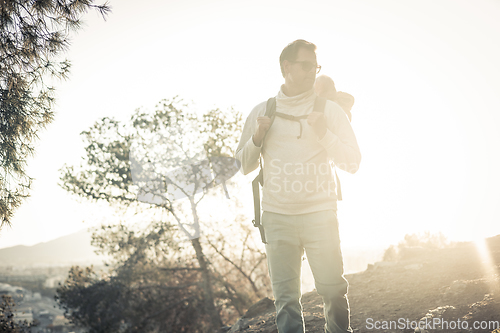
x,y
175,161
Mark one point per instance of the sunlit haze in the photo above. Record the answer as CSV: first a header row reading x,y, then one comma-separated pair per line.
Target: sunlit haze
x,y
424,75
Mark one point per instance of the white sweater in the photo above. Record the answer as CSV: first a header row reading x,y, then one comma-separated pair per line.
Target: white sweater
x,y
298,178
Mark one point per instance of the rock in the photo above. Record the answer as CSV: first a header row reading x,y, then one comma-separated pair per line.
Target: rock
x,y
383,264
414,266
240,325
309,318
456,288
414,253
263,306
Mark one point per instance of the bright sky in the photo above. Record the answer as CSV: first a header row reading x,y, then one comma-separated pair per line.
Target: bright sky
x,y
424,74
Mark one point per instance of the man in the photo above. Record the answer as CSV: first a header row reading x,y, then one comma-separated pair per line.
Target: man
x,y
299,199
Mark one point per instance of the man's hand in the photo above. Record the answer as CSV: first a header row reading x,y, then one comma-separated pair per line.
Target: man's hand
x,y
318,122
264,124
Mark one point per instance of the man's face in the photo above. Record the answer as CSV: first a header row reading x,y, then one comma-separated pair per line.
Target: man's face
x,y
301,73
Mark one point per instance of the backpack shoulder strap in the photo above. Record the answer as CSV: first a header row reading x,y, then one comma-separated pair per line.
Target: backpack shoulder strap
x,y
319,104
270,112
259,180
270,107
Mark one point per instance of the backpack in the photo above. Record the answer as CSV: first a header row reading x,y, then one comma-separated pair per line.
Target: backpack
x,y
319,106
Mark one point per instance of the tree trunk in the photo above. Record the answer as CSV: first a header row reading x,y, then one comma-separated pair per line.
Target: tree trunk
x,y
207,288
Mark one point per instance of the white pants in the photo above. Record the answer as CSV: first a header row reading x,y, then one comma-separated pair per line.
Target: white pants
x,y
287,237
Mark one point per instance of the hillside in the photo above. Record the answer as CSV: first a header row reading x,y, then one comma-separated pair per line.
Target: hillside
x,y
67,250
450,286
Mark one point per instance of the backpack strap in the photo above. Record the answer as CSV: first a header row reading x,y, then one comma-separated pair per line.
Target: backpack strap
x,y
339,188
259,180
293,118
270,107
256,207
270,112
319,104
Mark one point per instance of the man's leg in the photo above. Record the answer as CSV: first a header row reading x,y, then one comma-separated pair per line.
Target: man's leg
x,y
322,243
284,258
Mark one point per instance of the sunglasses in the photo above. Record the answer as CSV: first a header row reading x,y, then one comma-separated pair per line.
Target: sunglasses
x,y
307,66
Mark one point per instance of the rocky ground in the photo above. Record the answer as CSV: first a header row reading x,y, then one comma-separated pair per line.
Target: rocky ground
x,y
456,288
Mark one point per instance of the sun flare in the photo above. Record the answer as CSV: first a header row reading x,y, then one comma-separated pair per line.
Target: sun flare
x,y
487,263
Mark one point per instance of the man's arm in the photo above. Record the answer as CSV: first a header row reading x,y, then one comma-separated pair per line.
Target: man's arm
x,y
248,150
338,138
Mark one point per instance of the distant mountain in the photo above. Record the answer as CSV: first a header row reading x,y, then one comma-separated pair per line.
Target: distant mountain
x,y
67,250
76,249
